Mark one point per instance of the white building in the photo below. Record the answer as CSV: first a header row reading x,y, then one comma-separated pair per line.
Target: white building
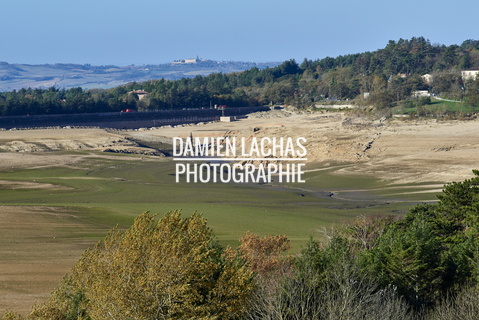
x,y
187,61
470,74
421,93
427,78
140,93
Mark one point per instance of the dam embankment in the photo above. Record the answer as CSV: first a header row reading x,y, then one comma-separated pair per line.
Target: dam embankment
x,y
124,120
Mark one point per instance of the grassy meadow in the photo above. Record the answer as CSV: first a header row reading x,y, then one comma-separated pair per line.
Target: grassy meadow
x,y
438,107
108,191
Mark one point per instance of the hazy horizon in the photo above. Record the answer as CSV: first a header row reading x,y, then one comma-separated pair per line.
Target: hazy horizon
x,y
156,32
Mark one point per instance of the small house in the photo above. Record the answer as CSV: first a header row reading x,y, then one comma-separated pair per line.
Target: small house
x,y
421,93
140,93
470,74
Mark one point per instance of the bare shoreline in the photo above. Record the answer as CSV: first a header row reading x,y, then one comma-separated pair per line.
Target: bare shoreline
x,y
400,151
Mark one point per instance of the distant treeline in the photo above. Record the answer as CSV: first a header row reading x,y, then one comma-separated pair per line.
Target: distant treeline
x,y
387,76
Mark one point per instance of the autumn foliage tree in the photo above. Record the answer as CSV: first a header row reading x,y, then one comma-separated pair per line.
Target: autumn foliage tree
x,y
264,254
166,269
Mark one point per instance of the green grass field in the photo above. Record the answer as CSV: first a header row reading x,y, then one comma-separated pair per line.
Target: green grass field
x,y
112,191
440,107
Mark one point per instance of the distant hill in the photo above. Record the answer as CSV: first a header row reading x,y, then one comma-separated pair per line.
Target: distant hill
x,y
60,75
395,78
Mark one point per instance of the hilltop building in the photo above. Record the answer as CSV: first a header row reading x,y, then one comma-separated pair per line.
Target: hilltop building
x,y
187,61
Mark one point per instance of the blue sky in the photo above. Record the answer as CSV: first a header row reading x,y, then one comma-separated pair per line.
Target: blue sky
x,y
119,32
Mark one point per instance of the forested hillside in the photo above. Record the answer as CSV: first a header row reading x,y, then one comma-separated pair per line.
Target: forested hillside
x,y
383,78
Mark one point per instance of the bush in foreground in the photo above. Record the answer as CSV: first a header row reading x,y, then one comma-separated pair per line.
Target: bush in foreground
x,y
166,269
